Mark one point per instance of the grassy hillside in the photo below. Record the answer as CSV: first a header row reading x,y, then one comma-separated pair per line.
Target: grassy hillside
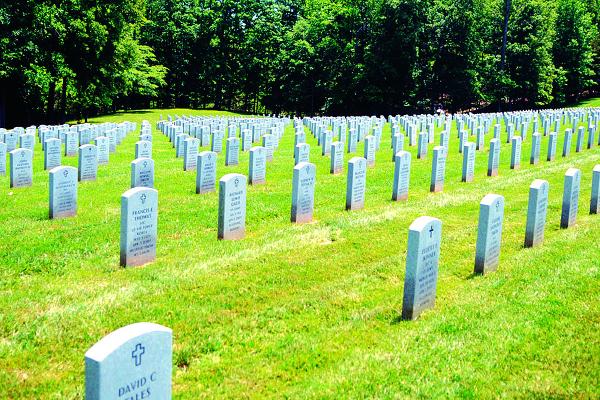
x,y
306,311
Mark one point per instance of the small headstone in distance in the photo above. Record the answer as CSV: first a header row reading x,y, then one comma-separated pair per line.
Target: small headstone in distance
x,y
232,151
422,260
52,154
258,166
268,142
567,143
103,145
536,140
71,143
63,192
580,139
337,158
88,163
536,213
370,150
142,173
232,207
552,139
143,149
401,176
422,145
595,199
190,153
139,218
303,192
438,169
489,234
133,362
356,183
515,155
494,158
468,168
302,153
206,172
570,203
2,159
21,168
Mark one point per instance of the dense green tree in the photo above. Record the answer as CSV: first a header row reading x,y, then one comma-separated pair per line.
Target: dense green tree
x,y
76,58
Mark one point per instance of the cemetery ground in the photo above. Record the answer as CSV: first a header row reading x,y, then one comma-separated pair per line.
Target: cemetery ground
x,y
305,311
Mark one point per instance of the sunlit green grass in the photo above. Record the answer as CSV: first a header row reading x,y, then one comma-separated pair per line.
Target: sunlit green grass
x,y
307,311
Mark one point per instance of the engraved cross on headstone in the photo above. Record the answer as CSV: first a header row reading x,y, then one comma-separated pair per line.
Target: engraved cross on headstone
x,y
431,232
137,353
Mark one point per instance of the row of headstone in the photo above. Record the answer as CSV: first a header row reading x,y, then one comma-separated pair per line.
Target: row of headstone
x,y
424,237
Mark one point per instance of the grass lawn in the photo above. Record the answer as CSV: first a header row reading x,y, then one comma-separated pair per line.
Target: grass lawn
x,y
307,311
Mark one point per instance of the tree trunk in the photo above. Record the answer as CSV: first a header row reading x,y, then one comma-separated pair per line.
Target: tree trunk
x,y
50,117
2,106
63,101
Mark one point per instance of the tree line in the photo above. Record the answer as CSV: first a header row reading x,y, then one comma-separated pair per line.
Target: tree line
x,y
64,59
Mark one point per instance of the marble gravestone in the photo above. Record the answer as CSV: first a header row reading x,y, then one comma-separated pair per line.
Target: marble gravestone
x,y
71,144
232,151
143,149
52,153
422,145
438,169
352,140
88,163
479,140
337,158
206,172
515,154
301,153
397,145
356,183
131,363
21,168
580,139
190,153
11,139
180,145
570,202
595,198
401,176
232,207
63,192
2,159
552,139
84,137
246,139
536,213
369,150
257,169
326,141
536,140
567,143
494,158
445,140
217,142
591,137
139,218
303,192
268,142
142,173
489,234
112,140
468,165
27,141
422,261
103,146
